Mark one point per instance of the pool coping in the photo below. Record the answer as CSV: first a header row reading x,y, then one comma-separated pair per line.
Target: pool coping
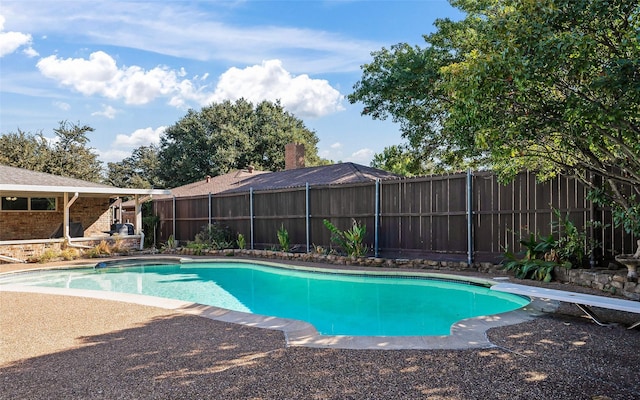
x,y
465,334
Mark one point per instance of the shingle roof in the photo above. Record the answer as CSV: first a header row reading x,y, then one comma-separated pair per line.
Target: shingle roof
x,y
314,176
21,176
215,184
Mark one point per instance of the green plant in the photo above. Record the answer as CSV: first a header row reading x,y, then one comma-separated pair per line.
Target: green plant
x,y
283,238
572,243
196,247
215,236
626,213
149,225
538,262
538,269
48,255
170,245
351,240
241,241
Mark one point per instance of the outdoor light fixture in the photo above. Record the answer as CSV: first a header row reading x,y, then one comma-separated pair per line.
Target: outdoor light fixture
x,y
11,198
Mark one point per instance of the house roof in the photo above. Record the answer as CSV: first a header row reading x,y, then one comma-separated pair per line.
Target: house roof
x,y
314,176
243,180
215,184
23,183
208,185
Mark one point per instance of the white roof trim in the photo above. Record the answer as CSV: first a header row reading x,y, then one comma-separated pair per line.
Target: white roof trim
x,y
82,189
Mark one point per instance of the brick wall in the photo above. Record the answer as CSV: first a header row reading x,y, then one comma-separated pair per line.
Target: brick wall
x,y
92,213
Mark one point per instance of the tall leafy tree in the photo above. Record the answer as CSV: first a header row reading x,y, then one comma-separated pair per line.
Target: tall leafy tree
x,y
67,155
231,135
140,170
71,155
549,85
25,150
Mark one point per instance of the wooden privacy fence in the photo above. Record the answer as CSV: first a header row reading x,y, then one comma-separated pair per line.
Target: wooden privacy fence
x,y
459,217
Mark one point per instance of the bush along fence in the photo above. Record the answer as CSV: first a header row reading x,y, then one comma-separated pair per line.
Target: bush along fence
x,y
467,217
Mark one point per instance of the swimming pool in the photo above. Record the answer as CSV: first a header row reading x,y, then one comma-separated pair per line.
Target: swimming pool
x,y
351,303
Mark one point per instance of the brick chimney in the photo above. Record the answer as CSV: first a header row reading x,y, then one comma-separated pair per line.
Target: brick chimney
x,y
293,156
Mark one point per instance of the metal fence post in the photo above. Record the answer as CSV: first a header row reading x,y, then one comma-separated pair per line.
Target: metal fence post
x,y
209,209
175,236
251,214
469,217
308,216
376,224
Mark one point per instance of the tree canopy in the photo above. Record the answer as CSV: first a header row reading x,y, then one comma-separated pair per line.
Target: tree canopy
x,y
227,136
548,85
67,155
140,170
403,161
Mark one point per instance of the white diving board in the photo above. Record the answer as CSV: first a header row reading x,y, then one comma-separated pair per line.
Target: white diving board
x,y
582,300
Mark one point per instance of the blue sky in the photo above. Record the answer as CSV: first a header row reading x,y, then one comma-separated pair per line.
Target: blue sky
x,y
131,68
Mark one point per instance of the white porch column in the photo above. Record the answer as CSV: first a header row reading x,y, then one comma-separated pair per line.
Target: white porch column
x,y
65,221
138,215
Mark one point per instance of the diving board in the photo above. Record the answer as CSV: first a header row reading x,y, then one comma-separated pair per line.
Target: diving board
x,y
582,300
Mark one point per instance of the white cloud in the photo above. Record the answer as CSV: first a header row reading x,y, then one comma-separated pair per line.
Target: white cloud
x,y
362,156
336,145
300,94
30,52
62,105
107,112
113,155
12,41
140,137
99,75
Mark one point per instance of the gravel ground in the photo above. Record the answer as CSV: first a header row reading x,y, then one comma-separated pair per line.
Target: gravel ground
x,y
60,347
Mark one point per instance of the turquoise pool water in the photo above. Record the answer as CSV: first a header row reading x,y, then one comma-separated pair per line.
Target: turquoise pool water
x,y
335,303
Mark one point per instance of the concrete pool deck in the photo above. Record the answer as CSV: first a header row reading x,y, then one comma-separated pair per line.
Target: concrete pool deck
x,y
59,346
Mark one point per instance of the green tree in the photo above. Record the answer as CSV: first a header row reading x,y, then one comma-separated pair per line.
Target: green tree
x,y
227,136
403,161
70,155
548,85
24,150
140,170
67,155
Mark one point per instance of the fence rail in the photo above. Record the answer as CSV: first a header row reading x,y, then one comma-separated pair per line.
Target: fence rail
x,y
459,216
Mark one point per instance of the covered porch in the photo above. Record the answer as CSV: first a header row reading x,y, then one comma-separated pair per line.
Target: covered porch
x,y
38,217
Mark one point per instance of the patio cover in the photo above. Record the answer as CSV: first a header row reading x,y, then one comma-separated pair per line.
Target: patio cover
x,y
19,182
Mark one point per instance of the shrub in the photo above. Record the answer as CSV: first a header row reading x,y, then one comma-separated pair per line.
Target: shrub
x,y
196,247
215,236
99,250
352,240
540,258
48,255
69,254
